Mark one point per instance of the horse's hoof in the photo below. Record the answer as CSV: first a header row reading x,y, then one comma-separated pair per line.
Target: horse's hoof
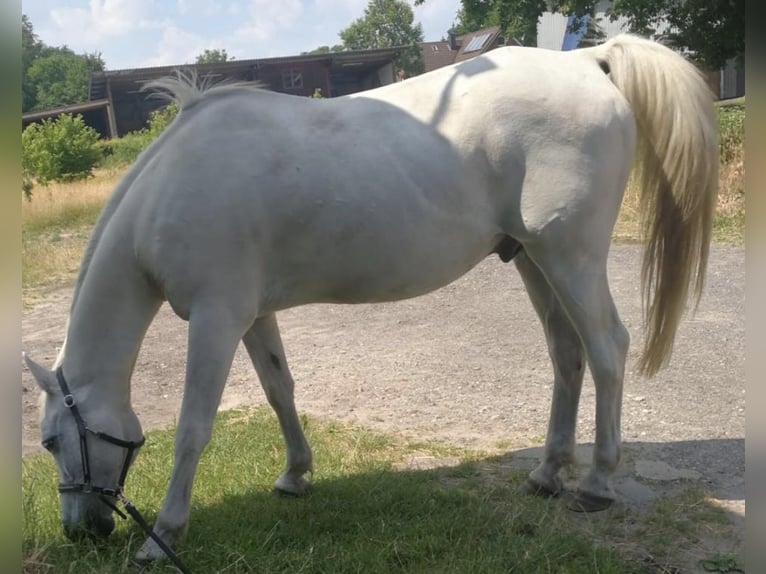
x,y
585,502
534,488
149,552
291,486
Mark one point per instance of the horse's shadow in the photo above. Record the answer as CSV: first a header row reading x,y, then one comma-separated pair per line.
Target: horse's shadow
x,y
439,514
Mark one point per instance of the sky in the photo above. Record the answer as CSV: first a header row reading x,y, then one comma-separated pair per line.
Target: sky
x,y
139,33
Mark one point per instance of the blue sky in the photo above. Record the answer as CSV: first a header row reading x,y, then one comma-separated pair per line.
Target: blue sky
x,y
136,33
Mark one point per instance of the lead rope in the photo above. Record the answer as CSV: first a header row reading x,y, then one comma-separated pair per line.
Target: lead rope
x,y
136,515
86,486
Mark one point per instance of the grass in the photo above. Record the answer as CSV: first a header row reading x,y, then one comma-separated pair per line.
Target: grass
x,y
361,515
56,225
729,223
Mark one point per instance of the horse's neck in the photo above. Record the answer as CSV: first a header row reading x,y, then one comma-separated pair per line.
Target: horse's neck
x,y
108,322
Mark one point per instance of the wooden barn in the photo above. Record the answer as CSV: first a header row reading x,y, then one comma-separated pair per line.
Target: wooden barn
x,y
117,105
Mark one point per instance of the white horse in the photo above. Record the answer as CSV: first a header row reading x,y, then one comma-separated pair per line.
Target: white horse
x,y
252,202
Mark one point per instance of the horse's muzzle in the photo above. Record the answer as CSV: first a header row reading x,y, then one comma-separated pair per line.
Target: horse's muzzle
x,y
94,525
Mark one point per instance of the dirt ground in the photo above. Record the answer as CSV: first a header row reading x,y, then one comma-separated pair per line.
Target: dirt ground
x,y
468,365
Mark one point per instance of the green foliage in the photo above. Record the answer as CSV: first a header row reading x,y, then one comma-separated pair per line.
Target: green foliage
x,y
53,76
30,50
385,24
731,131
213,57
324,50
125,150
61,78
713,31
160,119
64,149
516,18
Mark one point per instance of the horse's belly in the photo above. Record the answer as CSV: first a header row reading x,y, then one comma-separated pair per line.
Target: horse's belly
x,y
387,269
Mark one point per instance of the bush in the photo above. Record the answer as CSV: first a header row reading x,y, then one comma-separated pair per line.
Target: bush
x,y
125,150
731,122
63,149
160,119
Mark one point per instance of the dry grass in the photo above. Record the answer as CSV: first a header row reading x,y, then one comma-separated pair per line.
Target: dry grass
x,y
56,224
729,224
61,205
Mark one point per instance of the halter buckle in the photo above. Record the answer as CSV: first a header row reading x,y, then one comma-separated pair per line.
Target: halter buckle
x,y
68,401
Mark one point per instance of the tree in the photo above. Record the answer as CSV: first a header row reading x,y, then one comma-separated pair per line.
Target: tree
x,y
53,76
213,57
30,51
711,31
386,24
61,77
324,50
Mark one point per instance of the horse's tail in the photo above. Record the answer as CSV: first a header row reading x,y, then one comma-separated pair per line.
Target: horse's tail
x,y
678,168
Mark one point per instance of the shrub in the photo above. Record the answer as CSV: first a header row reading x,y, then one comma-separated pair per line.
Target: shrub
x,y
63,149
160,119
125,150
731,121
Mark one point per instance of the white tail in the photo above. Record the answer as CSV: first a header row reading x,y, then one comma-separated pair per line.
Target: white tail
x,y
678,168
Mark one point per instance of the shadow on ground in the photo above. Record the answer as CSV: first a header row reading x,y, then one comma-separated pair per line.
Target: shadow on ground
x,y
432,514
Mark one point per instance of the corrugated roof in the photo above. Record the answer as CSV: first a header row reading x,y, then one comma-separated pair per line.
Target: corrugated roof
x,y
358,55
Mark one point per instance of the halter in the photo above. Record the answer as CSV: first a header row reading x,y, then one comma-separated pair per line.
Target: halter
x,y
86,486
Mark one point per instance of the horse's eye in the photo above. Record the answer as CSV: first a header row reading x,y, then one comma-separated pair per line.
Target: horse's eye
x,y
48,444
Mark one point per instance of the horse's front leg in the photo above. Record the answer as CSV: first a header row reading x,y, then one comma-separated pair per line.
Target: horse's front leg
x,y
214,334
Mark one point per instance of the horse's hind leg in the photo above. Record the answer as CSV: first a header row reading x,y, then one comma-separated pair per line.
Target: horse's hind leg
x,y
578,276
566,352
264,345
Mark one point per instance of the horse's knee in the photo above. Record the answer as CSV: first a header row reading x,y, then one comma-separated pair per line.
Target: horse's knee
x,y
621,337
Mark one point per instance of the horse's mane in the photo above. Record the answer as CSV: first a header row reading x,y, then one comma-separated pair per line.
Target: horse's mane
x,y
185,89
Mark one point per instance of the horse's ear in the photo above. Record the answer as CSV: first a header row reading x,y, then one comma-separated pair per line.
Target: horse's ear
x,y
45,379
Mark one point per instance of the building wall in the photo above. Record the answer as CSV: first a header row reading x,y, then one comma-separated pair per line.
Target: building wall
x,y
386,74
312,76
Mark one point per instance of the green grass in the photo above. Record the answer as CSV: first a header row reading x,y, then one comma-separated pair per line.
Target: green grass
x,y
361,515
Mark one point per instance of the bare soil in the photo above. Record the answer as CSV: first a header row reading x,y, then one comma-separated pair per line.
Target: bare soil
x,y
468,365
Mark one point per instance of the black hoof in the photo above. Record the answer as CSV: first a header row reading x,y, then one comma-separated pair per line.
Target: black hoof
x,y
290,494
535,489
585,502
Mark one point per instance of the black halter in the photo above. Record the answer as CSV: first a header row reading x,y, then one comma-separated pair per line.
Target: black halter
x,y
86,485
105,493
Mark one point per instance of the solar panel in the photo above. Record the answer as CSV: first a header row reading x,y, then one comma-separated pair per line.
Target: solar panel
x,y
477,42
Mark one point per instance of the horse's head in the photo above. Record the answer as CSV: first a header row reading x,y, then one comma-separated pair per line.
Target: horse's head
x,y
94,440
